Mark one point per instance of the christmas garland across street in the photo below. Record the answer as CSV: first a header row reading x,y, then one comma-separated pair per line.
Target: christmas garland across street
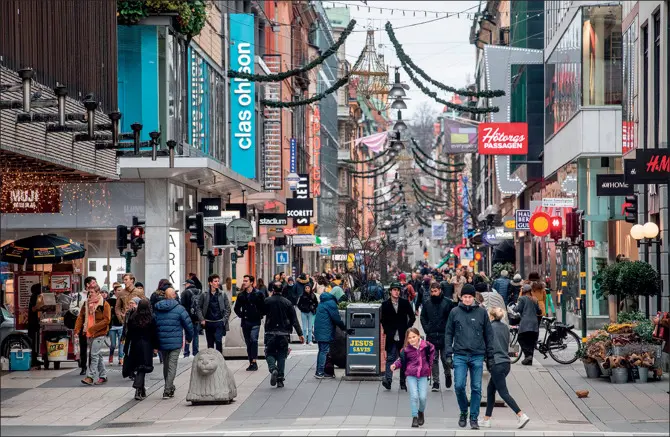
x,y
458,164
429,173
352,161
315,98
435,169
402,56
277,77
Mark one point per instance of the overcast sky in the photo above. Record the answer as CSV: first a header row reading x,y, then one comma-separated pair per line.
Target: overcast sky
x,y
441,48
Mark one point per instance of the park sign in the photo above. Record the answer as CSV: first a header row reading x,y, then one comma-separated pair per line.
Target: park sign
x,y
503,139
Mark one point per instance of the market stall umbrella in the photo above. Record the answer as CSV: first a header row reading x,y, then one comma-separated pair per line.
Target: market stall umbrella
x,y
42,249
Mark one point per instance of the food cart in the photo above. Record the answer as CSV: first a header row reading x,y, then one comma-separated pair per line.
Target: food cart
x,y
58,343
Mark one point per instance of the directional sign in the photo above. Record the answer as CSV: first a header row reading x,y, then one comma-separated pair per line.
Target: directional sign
x,y
240,232
281,258
226,218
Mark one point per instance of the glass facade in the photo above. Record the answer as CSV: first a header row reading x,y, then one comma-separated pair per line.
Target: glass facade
x,y
585,68
630,87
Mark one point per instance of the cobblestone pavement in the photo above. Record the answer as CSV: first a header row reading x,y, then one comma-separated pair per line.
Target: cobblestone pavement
x,y
51,402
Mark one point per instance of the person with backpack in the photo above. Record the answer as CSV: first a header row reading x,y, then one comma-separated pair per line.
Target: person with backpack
x,y
249,307
434,322
407,291
190,301
415,361
423,293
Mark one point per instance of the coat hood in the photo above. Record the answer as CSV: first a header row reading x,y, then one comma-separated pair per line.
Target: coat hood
x,y
325,297
166,304
302,280
337,293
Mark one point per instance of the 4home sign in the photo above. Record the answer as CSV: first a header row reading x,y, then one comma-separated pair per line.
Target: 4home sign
x,y
242,96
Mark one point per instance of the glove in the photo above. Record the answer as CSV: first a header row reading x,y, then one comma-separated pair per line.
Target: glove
x,y
450,362
351,331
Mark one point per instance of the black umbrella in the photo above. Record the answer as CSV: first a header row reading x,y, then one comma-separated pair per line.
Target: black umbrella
x,y
42,249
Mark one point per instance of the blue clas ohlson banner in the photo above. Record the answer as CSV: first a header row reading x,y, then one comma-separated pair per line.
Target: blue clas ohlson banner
x,y
242,97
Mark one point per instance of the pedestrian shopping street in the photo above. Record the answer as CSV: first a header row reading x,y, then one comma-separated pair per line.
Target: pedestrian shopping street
x,y
53,402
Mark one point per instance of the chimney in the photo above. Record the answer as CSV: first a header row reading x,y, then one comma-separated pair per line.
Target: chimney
x,y
26,75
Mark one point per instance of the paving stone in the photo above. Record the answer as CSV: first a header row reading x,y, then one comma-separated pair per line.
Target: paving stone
x,y
382,432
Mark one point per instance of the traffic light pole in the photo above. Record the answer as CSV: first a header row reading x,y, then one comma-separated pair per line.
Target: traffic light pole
x,y
582,285
128,256
233,262
210,262
564,281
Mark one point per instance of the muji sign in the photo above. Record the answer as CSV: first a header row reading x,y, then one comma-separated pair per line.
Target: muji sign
x,y
503,138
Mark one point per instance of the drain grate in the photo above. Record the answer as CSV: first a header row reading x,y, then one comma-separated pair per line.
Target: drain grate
x,y
126,424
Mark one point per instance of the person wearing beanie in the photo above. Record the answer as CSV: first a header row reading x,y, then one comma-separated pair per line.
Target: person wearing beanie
x,y
397,317
338,293
514,289
467,351
501,285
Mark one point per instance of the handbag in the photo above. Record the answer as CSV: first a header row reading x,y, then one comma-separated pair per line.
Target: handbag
x,y
513,317
659,331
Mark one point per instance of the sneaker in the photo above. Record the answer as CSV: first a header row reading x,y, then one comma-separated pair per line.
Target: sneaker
x,y
165,394
101,381
386,383
436,386
138,394
273,378
87,381
280,384
523,420
473,423
447,380
415,422
319,376
120,361
171,393
422,418
527,362
403,385
252,367
111,360
463,420
485,423
327,376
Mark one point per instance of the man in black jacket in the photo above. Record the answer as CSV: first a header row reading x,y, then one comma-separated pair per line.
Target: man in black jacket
x,y
396,318
190,300
214,312
249,308
434,321
280,320
467,350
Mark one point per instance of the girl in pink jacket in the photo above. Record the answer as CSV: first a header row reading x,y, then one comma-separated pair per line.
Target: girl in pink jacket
x,y
416,358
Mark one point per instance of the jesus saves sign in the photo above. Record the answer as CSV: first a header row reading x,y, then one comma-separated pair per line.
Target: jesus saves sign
x,y
503,139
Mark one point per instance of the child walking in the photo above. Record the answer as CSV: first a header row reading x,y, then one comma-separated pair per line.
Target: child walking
x,y
416,359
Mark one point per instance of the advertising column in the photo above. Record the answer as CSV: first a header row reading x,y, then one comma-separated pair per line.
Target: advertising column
x,y
242,97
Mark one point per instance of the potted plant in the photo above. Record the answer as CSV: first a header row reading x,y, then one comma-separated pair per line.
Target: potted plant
x,y
639,278
643,362
595,350
590,364
619,366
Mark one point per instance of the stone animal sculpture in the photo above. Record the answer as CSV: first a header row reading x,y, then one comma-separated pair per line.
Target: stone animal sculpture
x,y
211,380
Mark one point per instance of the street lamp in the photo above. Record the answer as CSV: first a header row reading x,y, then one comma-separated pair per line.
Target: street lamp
x,y
649,232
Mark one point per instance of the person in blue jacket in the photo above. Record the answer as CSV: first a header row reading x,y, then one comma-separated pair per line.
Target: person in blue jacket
x,y
327,318
172,320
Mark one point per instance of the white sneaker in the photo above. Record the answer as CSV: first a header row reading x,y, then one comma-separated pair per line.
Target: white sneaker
x,y
523,420
483,423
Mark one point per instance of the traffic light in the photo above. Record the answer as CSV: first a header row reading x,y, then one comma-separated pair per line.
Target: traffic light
x,y
630,209
572,225
556,228
220,236
137,234
122,238
196,226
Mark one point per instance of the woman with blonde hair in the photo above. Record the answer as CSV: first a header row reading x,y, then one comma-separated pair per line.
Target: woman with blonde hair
x,y
499,371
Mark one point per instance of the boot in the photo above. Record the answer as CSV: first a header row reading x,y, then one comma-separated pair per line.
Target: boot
x,y
422,418
144,393
138,394
403,385
528,361
415,422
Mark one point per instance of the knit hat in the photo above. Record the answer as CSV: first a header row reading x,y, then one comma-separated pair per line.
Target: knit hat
x,y
517,279
504,273
395,285
402,277
468,289
481,287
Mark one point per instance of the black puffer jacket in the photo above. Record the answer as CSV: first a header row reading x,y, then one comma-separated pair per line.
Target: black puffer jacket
x,y
308,303
249,306
469,332
434,318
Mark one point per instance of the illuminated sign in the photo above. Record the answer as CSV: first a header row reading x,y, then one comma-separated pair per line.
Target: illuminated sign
x,y
316,153
503,138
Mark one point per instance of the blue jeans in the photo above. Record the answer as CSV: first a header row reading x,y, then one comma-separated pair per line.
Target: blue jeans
x,y
195,342
307,325
391,356
418,390
250,333
115,340
324,348
463,364
214,332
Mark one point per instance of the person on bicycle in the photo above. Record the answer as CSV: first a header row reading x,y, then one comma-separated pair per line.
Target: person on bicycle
x,y
466,348
499,371
529,326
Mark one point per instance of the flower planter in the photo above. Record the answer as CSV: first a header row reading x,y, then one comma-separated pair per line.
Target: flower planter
x,y
619,375
604,372
592,370
643,375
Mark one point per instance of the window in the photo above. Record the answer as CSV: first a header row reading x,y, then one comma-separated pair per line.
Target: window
x,y
645,85
630,88
562,76
657,78
601,55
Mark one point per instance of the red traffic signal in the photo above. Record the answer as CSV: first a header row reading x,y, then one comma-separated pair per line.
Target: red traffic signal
x,y
478,256
556,228
137,232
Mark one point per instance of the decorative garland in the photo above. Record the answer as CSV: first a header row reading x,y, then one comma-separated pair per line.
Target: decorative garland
x,y
396,196
427,198
402,56
433,94
418,159
393,186
458,164
420,196
385,166
430,208
386,208
278,77
433,175
351,161
332,89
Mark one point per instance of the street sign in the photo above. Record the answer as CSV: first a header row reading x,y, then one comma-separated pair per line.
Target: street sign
x,y
281,258
522,219
324,251
225,217
290,231
239,232
589,243
303,240
558,202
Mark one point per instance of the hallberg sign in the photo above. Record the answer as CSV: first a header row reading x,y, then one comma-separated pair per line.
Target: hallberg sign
x,y
242,96
503,139
316,152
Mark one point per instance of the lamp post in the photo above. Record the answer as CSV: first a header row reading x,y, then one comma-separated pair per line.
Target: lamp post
x,y
648,234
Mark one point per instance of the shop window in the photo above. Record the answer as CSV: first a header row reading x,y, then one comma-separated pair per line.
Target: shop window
x,y
630,88
602,54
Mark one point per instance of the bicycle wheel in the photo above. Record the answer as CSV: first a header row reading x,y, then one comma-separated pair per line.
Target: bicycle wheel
x,y
565,350
514,348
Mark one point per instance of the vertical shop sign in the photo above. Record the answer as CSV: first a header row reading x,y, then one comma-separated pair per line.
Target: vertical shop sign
x,y
293,156
174,258
302,192
22,286
242,96
316,153
629,137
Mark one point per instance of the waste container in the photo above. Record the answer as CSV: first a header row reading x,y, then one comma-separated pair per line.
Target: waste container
x,y
364,344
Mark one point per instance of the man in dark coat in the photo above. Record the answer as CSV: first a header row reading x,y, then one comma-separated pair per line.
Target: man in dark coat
x,y
190,301
280,320
214,312
249,308
434,317
396,318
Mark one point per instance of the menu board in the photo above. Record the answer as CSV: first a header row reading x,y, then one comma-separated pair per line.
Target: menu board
x,y
61,282
24,282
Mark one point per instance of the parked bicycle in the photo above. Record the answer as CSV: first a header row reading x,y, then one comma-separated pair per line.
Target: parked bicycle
x,y
560,341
